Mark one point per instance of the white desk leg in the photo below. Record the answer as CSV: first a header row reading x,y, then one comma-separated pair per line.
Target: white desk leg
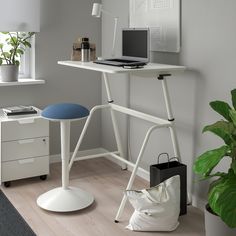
x,y
170,118
114,121
132,177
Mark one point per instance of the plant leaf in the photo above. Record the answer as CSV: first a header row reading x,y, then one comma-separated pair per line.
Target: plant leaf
x,y
31,34
14,40
20,51
222,108
6,54
233,94
232,114
217,174
205,163
223,129
27,44
222,198
233,166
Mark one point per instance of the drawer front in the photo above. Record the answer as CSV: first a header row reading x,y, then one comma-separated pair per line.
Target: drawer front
x,y
25,128
25,168
25,148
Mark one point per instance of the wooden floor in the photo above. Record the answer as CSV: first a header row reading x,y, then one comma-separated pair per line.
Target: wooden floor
x,y
105,181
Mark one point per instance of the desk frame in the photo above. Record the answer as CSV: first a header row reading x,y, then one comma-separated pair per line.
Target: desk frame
x,y
119,154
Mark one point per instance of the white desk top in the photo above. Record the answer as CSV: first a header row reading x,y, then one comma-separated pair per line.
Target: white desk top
x,y
150,67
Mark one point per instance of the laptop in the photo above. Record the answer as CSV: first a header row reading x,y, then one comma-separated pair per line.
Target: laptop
x,y
135,49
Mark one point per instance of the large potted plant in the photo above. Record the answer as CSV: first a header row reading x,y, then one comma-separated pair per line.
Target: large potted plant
x,y
220,213
13,47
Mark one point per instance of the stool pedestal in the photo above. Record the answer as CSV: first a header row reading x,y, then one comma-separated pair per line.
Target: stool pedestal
x,y
65,198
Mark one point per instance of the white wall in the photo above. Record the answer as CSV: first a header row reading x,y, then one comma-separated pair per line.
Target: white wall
x,y
61,23
208,51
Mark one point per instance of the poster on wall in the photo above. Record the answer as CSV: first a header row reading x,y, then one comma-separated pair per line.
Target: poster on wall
x,y
162,17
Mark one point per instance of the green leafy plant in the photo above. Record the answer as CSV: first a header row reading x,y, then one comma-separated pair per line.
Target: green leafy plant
x,y
222,191
14,47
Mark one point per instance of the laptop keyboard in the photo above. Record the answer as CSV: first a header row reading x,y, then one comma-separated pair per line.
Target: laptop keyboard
x,y
119,62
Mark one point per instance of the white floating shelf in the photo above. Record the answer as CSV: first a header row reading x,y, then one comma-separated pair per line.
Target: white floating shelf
x,y
25,81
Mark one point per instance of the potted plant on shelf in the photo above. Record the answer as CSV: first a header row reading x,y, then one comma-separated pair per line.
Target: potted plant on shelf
x,y
220,212
13,47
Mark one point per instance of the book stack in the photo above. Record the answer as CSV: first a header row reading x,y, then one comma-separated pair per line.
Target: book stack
x,y
19,110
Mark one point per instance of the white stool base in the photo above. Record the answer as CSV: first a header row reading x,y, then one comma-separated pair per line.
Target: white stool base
x,y
65,200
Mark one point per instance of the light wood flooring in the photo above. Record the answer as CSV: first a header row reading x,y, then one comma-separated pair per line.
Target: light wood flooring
x,y
105,181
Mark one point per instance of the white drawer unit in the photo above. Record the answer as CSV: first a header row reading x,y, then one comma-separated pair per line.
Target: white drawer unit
x,y
24,168
24,147
24,128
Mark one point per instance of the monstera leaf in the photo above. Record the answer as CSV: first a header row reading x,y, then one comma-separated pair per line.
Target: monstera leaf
x,y
223,129
232,114
233,96
222,108
222,198
233,166
208,160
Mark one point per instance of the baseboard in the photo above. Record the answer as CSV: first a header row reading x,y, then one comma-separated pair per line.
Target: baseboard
x,y
57,158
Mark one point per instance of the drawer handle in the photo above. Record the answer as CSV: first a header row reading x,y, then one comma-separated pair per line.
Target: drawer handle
x,y
26,121
25,141
25,161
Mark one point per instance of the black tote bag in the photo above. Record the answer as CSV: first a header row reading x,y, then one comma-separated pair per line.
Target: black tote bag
x,y
162,171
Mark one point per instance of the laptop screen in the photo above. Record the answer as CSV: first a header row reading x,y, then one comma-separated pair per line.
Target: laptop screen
x,y
135,43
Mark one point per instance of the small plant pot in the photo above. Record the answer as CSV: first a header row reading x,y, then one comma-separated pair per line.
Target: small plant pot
x,y
9,73
214,226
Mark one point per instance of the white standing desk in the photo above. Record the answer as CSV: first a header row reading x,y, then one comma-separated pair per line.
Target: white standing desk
x,y
161,71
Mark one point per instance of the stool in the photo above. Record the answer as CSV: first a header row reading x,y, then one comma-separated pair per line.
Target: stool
x,y
65,198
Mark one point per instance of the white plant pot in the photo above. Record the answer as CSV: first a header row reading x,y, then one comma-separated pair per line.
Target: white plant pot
x,y
214,226
9,73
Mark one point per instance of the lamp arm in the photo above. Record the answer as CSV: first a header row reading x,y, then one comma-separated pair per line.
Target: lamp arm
x,y
107,13
114,37
114,32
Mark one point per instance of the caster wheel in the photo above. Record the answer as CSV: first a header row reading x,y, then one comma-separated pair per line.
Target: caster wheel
x,y
116,221
7,184
43,177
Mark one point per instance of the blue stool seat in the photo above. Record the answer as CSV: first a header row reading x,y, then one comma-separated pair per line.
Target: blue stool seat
x,y
65,111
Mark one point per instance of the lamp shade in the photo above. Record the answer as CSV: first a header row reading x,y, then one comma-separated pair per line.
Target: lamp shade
x,y
20,15
97,9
